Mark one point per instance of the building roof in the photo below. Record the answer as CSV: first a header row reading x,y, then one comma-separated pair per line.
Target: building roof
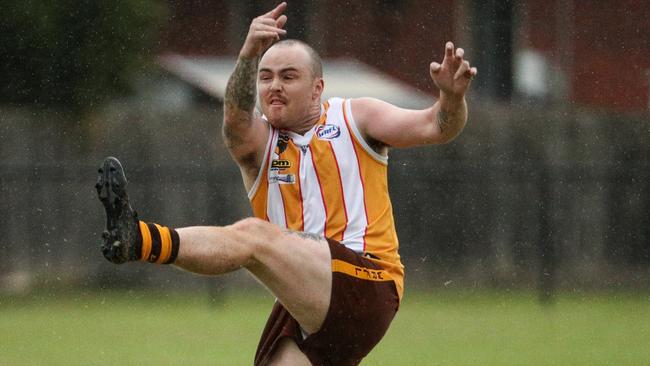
x,y
344,77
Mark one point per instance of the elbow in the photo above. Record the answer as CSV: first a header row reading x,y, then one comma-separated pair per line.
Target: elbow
x,y
447,139
449,127
233,120
226,125
449,135
228,129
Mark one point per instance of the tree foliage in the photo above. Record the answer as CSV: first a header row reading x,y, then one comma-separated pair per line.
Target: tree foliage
x,y
74,53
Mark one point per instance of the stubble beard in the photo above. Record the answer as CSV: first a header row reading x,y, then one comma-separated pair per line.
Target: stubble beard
x,y
301,124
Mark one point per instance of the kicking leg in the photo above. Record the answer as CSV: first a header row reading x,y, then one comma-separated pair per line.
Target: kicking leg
x,y
295,267
287,353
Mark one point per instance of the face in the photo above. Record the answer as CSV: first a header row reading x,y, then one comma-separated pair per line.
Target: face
x,y
288,92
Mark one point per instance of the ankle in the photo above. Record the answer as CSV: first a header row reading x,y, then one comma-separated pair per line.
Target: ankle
x,y
156,244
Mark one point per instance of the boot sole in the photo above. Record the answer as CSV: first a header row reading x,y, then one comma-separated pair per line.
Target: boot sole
x,y
111,190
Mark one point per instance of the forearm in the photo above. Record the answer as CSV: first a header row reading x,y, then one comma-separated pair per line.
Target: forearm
x,y
450,115
239,103
241,89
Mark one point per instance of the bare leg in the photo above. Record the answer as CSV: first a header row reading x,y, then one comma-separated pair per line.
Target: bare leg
x,y
294,267
288,354
212,250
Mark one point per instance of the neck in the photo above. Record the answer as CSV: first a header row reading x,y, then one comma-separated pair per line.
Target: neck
x,y
309,121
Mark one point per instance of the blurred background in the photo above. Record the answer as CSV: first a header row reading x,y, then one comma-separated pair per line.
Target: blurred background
x,y
545,196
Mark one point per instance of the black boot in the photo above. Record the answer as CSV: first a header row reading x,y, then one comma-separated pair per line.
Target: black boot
x,y
122,231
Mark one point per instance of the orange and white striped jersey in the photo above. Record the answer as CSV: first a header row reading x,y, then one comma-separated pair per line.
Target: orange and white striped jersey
x,y
330,182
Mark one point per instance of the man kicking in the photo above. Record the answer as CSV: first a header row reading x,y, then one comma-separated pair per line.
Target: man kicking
x,y
323,239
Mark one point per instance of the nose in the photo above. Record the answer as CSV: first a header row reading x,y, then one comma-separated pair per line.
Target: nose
x,y
275,85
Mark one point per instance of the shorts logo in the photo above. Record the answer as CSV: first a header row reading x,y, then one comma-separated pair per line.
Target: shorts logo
x,y
360,272
328,132
280,164
368,273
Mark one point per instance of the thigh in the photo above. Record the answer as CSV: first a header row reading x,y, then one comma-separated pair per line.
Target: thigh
x,y
296,268
363,303
287,353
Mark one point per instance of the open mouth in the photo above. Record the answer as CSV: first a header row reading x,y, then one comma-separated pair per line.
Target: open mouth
x,y
277,102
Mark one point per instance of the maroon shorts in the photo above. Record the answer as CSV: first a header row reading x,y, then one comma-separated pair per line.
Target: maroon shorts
x,y
363,303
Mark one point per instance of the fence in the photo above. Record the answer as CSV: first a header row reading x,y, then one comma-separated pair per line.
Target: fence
x,y
526,197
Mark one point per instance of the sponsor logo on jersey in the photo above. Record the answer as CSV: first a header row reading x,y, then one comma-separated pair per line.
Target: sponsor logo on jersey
x,y
282,179
328,132
280,164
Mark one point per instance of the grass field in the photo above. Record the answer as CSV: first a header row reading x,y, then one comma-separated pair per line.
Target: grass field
x,y
442,328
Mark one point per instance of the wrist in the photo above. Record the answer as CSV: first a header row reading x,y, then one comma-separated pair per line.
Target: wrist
x,y
450,102
248,53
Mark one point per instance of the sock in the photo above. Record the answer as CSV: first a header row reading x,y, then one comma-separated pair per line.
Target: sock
x,y
157,244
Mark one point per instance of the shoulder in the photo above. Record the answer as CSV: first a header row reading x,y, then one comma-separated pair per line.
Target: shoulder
x,y
367,109
358,114
368,105
361,111
360,107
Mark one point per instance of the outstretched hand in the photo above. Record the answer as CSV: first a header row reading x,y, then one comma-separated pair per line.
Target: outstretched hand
x,y
454,75
264,30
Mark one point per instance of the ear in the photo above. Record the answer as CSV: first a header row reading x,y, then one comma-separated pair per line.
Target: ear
x,y
318,87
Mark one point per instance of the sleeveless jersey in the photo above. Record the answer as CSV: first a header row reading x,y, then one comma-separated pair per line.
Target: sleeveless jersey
x,y
330,182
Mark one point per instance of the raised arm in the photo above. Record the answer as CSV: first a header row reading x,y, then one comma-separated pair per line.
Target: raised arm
x,y
389,125
244,132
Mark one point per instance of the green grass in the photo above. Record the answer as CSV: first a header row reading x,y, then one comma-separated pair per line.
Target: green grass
x,y
441,328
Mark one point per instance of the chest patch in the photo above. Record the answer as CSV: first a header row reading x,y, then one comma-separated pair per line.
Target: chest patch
x,y
280,164
328,132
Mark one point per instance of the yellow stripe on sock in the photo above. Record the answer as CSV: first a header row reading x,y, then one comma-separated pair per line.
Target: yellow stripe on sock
x,y
360,272
165,245
146,241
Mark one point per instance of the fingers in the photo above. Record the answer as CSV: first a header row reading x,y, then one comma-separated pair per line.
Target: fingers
x,y
282,20
458,56
462,70
434,68
269,28
268,35
279,23
465,71
449,50
454,57
265,28
276,12
454,74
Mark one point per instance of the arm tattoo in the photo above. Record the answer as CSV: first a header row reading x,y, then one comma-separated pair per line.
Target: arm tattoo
x,y
306,235
241,88
240,97
443,121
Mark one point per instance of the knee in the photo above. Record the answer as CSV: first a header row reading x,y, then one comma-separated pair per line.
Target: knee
x,y
256,233
252,225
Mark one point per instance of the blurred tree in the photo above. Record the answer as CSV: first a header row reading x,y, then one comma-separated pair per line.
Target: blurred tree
x,y
74,53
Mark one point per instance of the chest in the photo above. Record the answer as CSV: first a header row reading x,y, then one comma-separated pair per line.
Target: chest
x,y
324,157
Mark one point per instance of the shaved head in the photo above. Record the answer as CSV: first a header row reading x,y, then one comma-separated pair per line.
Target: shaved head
x,y
316,64
290,85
